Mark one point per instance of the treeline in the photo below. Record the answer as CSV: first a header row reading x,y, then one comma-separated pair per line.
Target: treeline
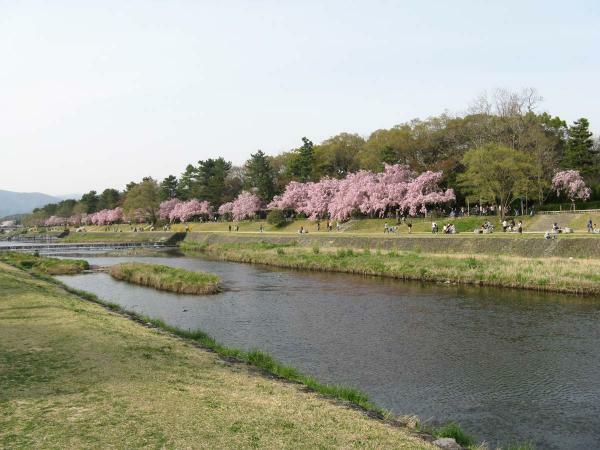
x,y
507,120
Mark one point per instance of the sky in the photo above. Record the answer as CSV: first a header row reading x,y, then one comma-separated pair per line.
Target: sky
x,y
97,94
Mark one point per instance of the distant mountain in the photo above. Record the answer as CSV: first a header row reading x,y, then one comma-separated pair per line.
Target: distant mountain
x,y
23,202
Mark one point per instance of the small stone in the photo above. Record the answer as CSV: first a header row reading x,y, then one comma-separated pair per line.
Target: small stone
x,y
447,443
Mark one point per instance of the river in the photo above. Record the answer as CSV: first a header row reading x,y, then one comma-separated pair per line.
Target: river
x,y
508,365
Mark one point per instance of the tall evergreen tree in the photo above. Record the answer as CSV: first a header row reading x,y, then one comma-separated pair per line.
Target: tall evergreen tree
x,y
168,188
90,200
211,180
303,163
109,199
259,175
579,150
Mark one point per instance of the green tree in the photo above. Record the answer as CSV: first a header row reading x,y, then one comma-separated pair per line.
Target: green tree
x,y
579,150
497,174
337,156
109,199
302,165
168,188
211,181
144,196
90,200
66,208
259,175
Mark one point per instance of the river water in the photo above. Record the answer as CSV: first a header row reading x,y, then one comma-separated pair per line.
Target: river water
x,y
508,365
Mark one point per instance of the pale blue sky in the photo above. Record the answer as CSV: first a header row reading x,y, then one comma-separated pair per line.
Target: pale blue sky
x,y
95,94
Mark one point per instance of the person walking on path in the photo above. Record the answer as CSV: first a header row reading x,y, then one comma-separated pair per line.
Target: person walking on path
x,y
590,226
409,225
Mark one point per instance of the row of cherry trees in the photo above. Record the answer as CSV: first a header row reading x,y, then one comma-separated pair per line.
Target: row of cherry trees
x,y
103,217
397,188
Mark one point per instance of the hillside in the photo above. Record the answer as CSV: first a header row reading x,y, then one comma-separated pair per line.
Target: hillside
x,y
23,202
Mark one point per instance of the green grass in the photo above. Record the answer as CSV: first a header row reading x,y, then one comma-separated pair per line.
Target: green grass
x,y
166,278
453,430
544,274
76,375
50,266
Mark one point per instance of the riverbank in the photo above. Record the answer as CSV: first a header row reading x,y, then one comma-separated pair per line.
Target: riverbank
x,y
529,246
573,276
166,278
79,375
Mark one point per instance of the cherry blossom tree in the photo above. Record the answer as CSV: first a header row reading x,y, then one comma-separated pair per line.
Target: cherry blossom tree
x,y
570,183
165,208
226,209
184,211
246,205
294,197
396,188
55,221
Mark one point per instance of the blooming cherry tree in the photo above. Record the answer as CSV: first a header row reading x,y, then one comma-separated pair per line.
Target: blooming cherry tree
x,y
245,205
570,183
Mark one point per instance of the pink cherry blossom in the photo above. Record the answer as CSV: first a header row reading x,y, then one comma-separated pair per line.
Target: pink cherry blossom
x,y
571,184
246,205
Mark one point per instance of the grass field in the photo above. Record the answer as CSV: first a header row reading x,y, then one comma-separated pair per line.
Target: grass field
x,y
166,278
74,375
544,274
48,266
537,224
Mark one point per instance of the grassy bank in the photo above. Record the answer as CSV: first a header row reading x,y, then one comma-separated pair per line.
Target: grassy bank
x,y
75,375
49,266
581,276
166,278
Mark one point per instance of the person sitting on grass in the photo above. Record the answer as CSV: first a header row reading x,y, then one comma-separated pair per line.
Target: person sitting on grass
x,y
555,228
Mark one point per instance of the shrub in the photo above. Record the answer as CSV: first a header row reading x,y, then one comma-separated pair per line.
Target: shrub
x,y
276,218
280,251
453,430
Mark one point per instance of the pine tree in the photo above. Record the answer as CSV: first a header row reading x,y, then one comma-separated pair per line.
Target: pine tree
x,y
579,150
303,163
168,188
259,175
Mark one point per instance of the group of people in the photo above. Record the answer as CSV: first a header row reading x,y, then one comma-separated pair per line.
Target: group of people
x,y
448,228
486,228
592,227
511,226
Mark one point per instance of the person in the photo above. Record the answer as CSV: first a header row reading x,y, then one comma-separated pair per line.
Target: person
x,y
229,228
520,227
301,230
433,227
555,227
409,225
385,228
261,228
590,226
318,225
504,225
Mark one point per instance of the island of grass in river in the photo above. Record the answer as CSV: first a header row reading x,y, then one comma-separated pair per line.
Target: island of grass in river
x,y
166,278
45,265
